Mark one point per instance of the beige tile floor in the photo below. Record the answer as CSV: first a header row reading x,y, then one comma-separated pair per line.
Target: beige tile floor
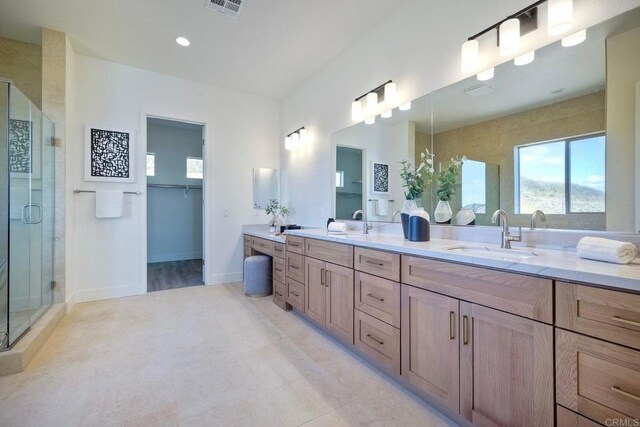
x,y
200,356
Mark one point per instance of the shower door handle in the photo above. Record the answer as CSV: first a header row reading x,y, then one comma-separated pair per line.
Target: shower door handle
x,y
29,207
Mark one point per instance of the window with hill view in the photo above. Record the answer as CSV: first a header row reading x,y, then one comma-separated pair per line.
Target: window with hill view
x,y
563,176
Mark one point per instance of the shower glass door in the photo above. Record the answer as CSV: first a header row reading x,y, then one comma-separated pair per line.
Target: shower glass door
x,y
30,164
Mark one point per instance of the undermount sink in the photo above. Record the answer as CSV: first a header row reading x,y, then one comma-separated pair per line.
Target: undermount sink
x,y
496,253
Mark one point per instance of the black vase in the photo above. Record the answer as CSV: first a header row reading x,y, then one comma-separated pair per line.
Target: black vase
x,y
419,229
405,224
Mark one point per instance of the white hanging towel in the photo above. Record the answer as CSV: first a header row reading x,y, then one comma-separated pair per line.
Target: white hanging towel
x,y
382,207
606,250
109,203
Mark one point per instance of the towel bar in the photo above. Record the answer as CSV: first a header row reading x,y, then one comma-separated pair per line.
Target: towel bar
x,y
93,191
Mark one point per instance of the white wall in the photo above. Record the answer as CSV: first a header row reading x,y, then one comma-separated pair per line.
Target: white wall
x,y
418,47
174,217
108,257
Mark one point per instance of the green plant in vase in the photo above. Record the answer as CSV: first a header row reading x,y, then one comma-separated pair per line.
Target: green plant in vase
x,y
276,211
414,180
446,180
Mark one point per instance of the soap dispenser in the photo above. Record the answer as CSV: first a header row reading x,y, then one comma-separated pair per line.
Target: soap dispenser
x,y
419,226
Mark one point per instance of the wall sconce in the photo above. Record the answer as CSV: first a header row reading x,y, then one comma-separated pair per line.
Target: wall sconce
x,y
510,29
381,100
296,138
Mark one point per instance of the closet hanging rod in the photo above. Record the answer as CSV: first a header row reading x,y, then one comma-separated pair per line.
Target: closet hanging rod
x,y
184,187
93,191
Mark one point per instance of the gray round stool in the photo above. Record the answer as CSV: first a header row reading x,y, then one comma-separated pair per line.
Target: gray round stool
x,y
257,276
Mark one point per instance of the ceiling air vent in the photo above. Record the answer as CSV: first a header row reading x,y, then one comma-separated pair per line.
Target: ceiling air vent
x,y
228,7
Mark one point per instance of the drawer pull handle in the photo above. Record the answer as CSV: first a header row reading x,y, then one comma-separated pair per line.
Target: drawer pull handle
x,y
376,297
452,325
322,278
465,330
295,294
626,321
379,341
277,269
294,244
327,277
618,390
295,267
379,264
278,294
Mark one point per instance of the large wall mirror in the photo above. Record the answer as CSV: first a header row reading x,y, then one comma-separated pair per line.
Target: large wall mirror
x,y
560,134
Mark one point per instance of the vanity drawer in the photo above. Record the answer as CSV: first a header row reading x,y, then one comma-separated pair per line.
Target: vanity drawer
x,y
514,293
610,315
280,294
597,379
335,253
567,418
262,245
295,266
247,240
295,244
378,340
295,295
378,297
379,263
278,250
279,267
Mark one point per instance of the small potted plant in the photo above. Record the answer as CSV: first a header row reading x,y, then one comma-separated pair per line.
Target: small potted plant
x,y
446,189
276,211
414,179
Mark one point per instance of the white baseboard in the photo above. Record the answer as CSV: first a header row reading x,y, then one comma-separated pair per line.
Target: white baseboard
x,y
220,279
107,293
174,257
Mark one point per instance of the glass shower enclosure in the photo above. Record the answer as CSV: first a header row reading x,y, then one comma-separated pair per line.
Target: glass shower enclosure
x,y
26,213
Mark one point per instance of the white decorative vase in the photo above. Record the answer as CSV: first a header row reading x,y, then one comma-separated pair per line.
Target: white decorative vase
x,y
465,217
443,213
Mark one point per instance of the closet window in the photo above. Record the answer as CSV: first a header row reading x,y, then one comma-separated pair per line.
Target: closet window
x,y
194,168
151,164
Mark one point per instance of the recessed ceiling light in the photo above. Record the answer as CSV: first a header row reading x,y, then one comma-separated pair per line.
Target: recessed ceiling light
x,y
182,41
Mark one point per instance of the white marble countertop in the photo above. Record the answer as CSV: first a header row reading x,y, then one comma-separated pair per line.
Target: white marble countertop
x,y
554,264
262,231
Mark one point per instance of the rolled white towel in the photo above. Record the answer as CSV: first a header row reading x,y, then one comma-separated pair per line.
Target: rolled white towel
x,y
337,227
606,250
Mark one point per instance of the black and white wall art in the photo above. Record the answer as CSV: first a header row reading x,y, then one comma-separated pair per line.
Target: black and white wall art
x,y
20,153
108,155
380,178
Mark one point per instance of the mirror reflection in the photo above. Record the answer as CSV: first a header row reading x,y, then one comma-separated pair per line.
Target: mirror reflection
x,y
556,135
265,186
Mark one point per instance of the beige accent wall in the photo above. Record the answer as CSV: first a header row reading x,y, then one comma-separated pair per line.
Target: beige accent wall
x,y
493,142
54,106
22,63
623,71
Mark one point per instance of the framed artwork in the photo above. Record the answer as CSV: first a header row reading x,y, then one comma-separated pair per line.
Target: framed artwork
x,y
108,155
20,147
380,178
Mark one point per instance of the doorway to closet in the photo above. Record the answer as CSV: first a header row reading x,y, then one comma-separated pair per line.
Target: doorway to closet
x,y
175,175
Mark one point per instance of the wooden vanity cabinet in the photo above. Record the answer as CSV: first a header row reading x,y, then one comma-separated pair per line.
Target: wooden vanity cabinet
x,y
329,297
430,345
506,368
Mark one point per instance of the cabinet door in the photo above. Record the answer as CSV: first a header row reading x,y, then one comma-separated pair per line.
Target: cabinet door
x,y
315,293
429,343
339,287
506,369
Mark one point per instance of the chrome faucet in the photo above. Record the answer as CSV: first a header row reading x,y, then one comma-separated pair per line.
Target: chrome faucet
x,y
537,213
507,237
365,225
393,217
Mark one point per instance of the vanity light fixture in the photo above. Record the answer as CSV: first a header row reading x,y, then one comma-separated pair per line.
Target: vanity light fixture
x,y
574,39
513,27
525,59
183,41
405,106
296,138
560,16
486,74
509,32
383,98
